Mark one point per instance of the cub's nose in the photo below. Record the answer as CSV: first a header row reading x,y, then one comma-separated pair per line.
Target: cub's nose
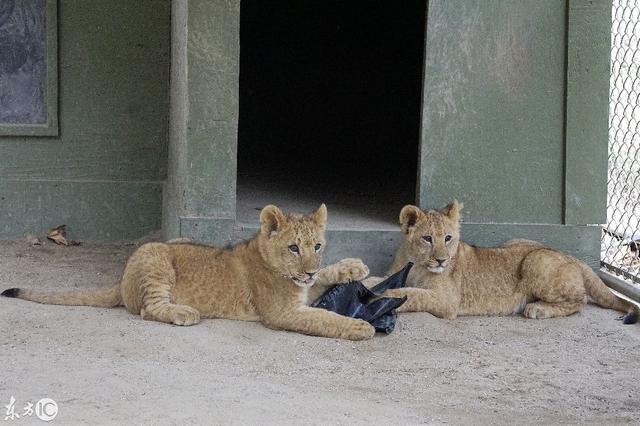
x,y
311,274
441,261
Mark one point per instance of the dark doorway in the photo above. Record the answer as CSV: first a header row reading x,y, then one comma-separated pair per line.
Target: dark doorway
x,y
330,99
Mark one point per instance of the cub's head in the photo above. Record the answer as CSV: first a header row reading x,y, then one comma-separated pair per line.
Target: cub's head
x,y
292,244
431,236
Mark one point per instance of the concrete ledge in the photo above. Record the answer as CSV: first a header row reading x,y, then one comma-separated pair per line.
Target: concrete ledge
x,y
621,286
377,248
581,241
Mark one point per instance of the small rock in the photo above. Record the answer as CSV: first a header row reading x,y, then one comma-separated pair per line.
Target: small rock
x,y
33,240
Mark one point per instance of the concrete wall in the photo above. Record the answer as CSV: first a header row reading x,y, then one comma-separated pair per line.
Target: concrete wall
x,y
102,176
200,194
515,119
514,124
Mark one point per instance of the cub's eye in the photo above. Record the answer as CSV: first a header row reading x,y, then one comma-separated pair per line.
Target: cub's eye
x,y
318,247
428,239
447,238
294,249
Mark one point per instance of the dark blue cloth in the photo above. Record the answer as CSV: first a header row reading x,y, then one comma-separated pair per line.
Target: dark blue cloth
x,y
356,301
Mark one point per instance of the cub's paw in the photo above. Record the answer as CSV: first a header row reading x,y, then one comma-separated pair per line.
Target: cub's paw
x,y
372,281
536,311
185,315
399,293
360,330
351,269
394,292
405,307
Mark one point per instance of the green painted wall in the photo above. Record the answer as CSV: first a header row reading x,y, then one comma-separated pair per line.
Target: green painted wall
x,y
200,194
587,111
493,109
514,124
515,118
103,174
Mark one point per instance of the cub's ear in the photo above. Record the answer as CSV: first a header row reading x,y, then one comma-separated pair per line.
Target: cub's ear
x,y
453,210
409,215
271,220
320,216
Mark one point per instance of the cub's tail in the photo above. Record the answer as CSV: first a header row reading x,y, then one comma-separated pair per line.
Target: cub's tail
x,y
601,294
108,298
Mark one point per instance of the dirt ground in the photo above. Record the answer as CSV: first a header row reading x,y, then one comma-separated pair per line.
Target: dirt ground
x,y
105,366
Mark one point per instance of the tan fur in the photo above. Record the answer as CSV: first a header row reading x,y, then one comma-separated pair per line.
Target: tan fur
x,y
259,280
453,278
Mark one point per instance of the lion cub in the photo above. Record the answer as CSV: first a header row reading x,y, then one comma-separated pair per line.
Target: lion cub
x,y
453,278
265,279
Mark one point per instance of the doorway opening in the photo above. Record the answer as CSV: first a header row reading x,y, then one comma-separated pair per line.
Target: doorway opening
x,y
330,100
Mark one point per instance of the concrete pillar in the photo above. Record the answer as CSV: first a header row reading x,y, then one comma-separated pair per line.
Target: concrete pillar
x,y
200,193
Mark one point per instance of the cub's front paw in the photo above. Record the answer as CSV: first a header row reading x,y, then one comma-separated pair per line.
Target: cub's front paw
x,y
536,311
399,293
360,330
351,269
185,315
372,282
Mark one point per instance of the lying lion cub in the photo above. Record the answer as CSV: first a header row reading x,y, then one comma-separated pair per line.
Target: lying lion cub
x,y
264,279
454,278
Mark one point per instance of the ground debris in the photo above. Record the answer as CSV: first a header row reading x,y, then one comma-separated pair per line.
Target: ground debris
x,y
33,240
59,236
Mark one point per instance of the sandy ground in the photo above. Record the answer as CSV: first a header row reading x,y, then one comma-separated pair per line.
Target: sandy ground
x,y
105,366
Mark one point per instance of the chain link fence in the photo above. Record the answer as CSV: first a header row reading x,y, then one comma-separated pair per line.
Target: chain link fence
x,y
620,250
